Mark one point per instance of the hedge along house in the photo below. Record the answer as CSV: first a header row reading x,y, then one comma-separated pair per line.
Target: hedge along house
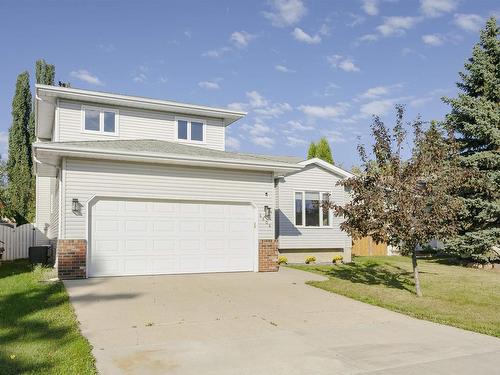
x,y
137,186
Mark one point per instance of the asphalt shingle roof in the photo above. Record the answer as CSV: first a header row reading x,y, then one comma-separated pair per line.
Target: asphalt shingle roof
x,y
152,146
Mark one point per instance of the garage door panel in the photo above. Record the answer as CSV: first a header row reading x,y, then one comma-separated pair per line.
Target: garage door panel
x,y
189,226
107,225
130,237
105,266
103,246
164,226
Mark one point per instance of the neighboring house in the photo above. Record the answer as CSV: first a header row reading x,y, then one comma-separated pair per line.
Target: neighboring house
x,y
136,186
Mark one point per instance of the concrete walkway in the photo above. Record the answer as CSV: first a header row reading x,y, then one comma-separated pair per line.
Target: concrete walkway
x,y
262,323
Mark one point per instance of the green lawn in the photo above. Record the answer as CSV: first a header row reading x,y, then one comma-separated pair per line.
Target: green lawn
x,y
39,333
454,295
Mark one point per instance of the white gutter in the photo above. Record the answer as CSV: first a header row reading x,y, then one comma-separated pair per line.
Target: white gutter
x,y
167,158
139,102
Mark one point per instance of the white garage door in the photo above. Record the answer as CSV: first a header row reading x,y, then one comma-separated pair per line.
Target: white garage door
x,y
137,237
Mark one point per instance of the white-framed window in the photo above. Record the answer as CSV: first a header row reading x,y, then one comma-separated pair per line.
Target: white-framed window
x,y
190,130
100,120
309,209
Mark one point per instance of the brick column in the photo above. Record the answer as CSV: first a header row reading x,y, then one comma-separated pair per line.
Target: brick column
x,y
72,259
268,256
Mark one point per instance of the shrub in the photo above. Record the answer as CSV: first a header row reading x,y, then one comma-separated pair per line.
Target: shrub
x,y
310,259
337,258
282,259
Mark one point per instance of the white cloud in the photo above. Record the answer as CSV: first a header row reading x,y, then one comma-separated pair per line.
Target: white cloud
x,y
469,22
140,78
436,8
283,69
433,39
266,142
296,125
419,102
274,110
346,64
370,7
232,143
209,85
241,38
285,12
256,100
237,106
356,20
335,136
216,53
378,91
331,89
294,141
86,76
397,25
258,129
368,38
188,34
325,29
304,37
324,112
411,52
377,107
163,79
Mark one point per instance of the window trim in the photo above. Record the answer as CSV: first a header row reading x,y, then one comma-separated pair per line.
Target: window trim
x,y
330,212
101,120
189,120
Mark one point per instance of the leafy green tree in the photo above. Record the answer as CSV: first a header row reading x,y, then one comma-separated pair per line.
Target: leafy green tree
x,y
19,173
475,119
323,150
404,202
311,153
320,150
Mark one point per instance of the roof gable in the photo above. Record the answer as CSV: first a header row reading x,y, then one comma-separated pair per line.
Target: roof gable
x,y
330,167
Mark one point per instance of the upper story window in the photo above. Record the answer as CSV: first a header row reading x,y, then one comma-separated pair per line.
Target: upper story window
x,y
100,120
310,211
190,130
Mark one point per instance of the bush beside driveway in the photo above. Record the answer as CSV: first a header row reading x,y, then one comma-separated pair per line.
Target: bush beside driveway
x,y
453,295
39,333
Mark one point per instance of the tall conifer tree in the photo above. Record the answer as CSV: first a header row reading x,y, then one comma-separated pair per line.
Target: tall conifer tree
x,y
19,174
475,118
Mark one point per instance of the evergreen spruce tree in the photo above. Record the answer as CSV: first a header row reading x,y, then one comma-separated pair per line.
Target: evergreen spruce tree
x,y
19,173
323,150
311,153
475,119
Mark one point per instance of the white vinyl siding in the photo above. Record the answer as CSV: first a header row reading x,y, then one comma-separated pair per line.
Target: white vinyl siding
x,y
85,178
43,202
311,178
43,209
132,124
53,231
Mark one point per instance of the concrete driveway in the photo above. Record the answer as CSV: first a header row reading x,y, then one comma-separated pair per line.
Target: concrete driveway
x,y
261,323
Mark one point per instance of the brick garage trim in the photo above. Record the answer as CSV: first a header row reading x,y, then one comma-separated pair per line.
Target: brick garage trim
x,y
268,256
72,259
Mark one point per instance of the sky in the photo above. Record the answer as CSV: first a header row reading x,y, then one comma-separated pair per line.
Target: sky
x,y
301,69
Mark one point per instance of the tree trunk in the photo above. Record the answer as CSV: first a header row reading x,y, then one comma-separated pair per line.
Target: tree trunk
x,y
415,272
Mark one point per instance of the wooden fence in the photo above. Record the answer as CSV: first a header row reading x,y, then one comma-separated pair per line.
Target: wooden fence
x,y
16,240
366,246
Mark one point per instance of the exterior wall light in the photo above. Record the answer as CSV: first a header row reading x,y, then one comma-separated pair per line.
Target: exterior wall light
x,y
267,212
75,205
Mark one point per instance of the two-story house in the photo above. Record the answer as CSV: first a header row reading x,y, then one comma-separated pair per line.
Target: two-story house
x,y
136,186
